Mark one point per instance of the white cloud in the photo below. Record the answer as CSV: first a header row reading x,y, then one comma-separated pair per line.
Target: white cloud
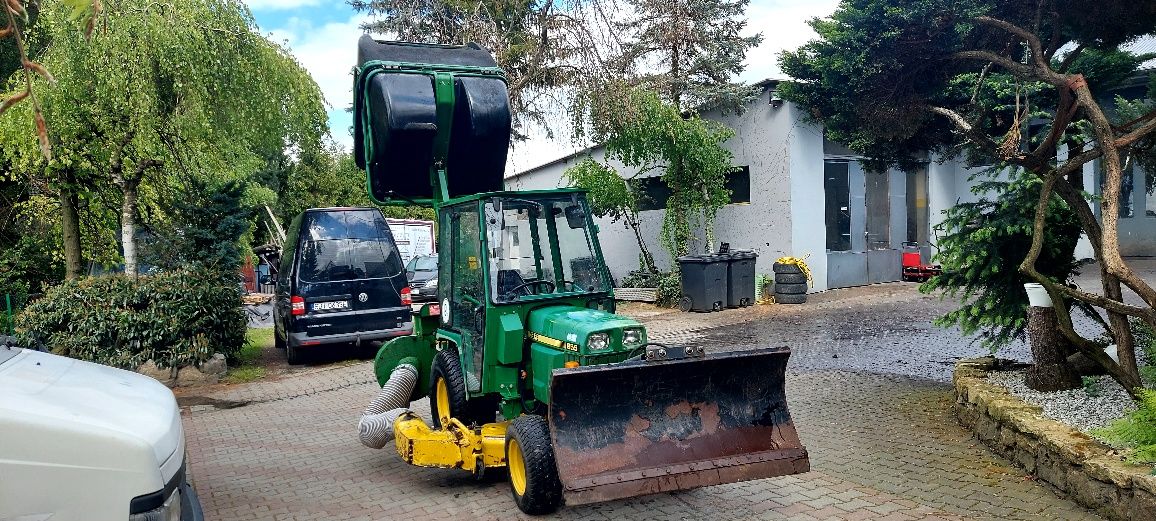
x,y
277,5
784,26
329,53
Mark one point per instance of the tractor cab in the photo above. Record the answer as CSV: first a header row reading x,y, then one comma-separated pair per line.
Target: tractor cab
x,y
532,257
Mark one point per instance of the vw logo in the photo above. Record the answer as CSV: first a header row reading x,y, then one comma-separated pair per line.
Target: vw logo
x,y
362,297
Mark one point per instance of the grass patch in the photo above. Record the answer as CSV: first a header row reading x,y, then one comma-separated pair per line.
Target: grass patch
x,y
256,340
243,370
245,374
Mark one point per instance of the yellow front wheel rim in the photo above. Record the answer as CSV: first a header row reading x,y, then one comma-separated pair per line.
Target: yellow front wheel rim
x,y
517,468
443,401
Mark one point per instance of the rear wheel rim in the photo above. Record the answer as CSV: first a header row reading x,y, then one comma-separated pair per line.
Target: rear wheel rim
x,y
443,401
517,468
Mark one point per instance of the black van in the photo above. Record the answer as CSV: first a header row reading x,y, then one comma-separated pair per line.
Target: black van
x,y
341,281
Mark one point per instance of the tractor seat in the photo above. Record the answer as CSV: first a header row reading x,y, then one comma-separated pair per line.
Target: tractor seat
x,y
508,280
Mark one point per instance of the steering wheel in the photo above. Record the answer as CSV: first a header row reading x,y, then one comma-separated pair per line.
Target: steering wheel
x,y
510,293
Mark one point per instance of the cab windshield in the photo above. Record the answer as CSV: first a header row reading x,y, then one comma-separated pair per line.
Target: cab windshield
x,y
541,246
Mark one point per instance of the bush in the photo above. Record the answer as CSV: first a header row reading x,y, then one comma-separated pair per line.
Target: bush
x,y
983,246
176,318
1137,431
641,279
669,289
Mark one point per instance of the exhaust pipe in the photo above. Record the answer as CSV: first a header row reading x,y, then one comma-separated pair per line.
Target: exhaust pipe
x,y
375,429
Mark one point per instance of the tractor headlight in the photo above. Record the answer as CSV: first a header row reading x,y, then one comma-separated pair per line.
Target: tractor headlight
x,y
631,336
598,341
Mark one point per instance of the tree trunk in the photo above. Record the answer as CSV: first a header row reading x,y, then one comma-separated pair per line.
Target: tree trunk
x,y
1050,351
128,227
70,224
708,222
647,258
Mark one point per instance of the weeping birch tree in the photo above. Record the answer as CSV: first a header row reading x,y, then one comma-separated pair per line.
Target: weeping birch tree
x,y
160,91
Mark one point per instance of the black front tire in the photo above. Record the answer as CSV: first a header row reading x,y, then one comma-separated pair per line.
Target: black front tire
x,y
278,342
533,472
448,368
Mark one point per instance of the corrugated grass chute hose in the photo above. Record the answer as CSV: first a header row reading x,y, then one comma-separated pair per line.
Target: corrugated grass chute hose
x,y
375,429
801,262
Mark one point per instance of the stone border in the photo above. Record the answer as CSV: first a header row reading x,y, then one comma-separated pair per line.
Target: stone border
x,y
1065,458
636,294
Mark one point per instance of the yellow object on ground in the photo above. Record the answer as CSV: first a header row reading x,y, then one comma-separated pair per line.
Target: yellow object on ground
x,y
455,446
801,262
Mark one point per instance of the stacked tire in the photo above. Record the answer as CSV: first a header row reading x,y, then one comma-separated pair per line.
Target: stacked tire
x,y
790,284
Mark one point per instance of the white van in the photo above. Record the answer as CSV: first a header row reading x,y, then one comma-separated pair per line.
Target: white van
x,y
87,442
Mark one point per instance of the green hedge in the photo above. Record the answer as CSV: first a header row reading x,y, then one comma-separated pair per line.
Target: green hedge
x,y
176,318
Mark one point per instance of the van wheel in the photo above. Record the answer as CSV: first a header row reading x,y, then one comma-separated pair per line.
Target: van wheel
x,y
292,355
447,394
530,463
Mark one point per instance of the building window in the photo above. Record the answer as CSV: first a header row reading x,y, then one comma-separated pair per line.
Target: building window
x,y
837,194
739,184
653,192
917,214
878,210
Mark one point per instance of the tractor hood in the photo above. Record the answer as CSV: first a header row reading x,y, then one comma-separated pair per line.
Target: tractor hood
x,y
573,324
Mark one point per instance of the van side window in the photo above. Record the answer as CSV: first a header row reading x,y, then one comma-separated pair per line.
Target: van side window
x,y
289,252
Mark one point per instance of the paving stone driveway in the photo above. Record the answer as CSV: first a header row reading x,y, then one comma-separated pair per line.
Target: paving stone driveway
x,y
883,444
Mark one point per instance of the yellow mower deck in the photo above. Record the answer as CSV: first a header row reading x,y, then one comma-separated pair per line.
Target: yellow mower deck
x,y
455,446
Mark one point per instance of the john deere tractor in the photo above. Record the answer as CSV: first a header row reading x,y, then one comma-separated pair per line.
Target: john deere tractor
x,y
525,364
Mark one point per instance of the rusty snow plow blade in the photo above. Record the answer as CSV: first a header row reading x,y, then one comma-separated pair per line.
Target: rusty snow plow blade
x,y
639,428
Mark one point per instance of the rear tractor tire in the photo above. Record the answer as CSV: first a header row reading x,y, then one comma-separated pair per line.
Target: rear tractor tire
x,y
530,463
447,394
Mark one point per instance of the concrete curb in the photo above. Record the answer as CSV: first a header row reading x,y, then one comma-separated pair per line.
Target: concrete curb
x,y
1070,461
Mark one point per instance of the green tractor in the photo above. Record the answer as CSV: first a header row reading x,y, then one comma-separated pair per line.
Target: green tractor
x,y
524,328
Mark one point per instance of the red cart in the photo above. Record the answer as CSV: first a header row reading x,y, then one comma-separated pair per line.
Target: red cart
x,y
914,270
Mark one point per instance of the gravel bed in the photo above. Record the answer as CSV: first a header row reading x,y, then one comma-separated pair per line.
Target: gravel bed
x,y
1074,407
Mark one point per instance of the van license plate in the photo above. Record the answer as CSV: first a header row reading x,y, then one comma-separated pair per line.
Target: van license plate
x,y
331,306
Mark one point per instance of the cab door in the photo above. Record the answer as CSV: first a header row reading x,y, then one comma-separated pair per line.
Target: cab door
x,y
464,297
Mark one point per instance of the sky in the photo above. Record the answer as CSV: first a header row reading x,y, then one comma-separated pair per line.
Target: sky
x,y
323,34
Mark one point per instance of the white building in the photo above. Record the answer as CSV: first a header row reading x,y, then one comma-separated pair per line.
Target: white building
x,y
797,194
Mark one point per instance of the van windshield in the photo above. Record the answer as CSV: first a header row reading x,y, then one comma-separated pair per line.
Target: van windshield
x,y
347,245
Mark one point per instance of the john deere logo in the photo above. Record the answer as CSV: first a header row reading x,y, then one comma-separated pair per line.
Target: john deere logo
x,y
362,297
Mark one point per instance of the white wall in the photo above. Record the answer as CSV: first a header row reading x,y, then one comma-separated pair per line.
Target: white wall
x,y
766,140
808,197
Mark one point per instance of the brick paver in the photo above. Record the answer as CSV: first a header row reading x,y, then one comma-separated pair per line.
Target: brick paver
x,y
883,446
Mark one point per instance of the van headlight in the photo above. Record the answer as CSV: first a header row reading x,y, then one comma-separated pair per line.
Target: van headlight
x,y
631,336
598,341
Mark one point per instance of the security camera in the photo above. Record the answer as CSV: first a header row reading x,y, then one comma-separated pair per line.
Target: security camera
x,y
776,99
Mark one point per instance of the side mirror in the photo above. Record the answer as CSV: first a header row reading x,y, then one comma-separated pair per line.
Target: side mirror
x,y
575,217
